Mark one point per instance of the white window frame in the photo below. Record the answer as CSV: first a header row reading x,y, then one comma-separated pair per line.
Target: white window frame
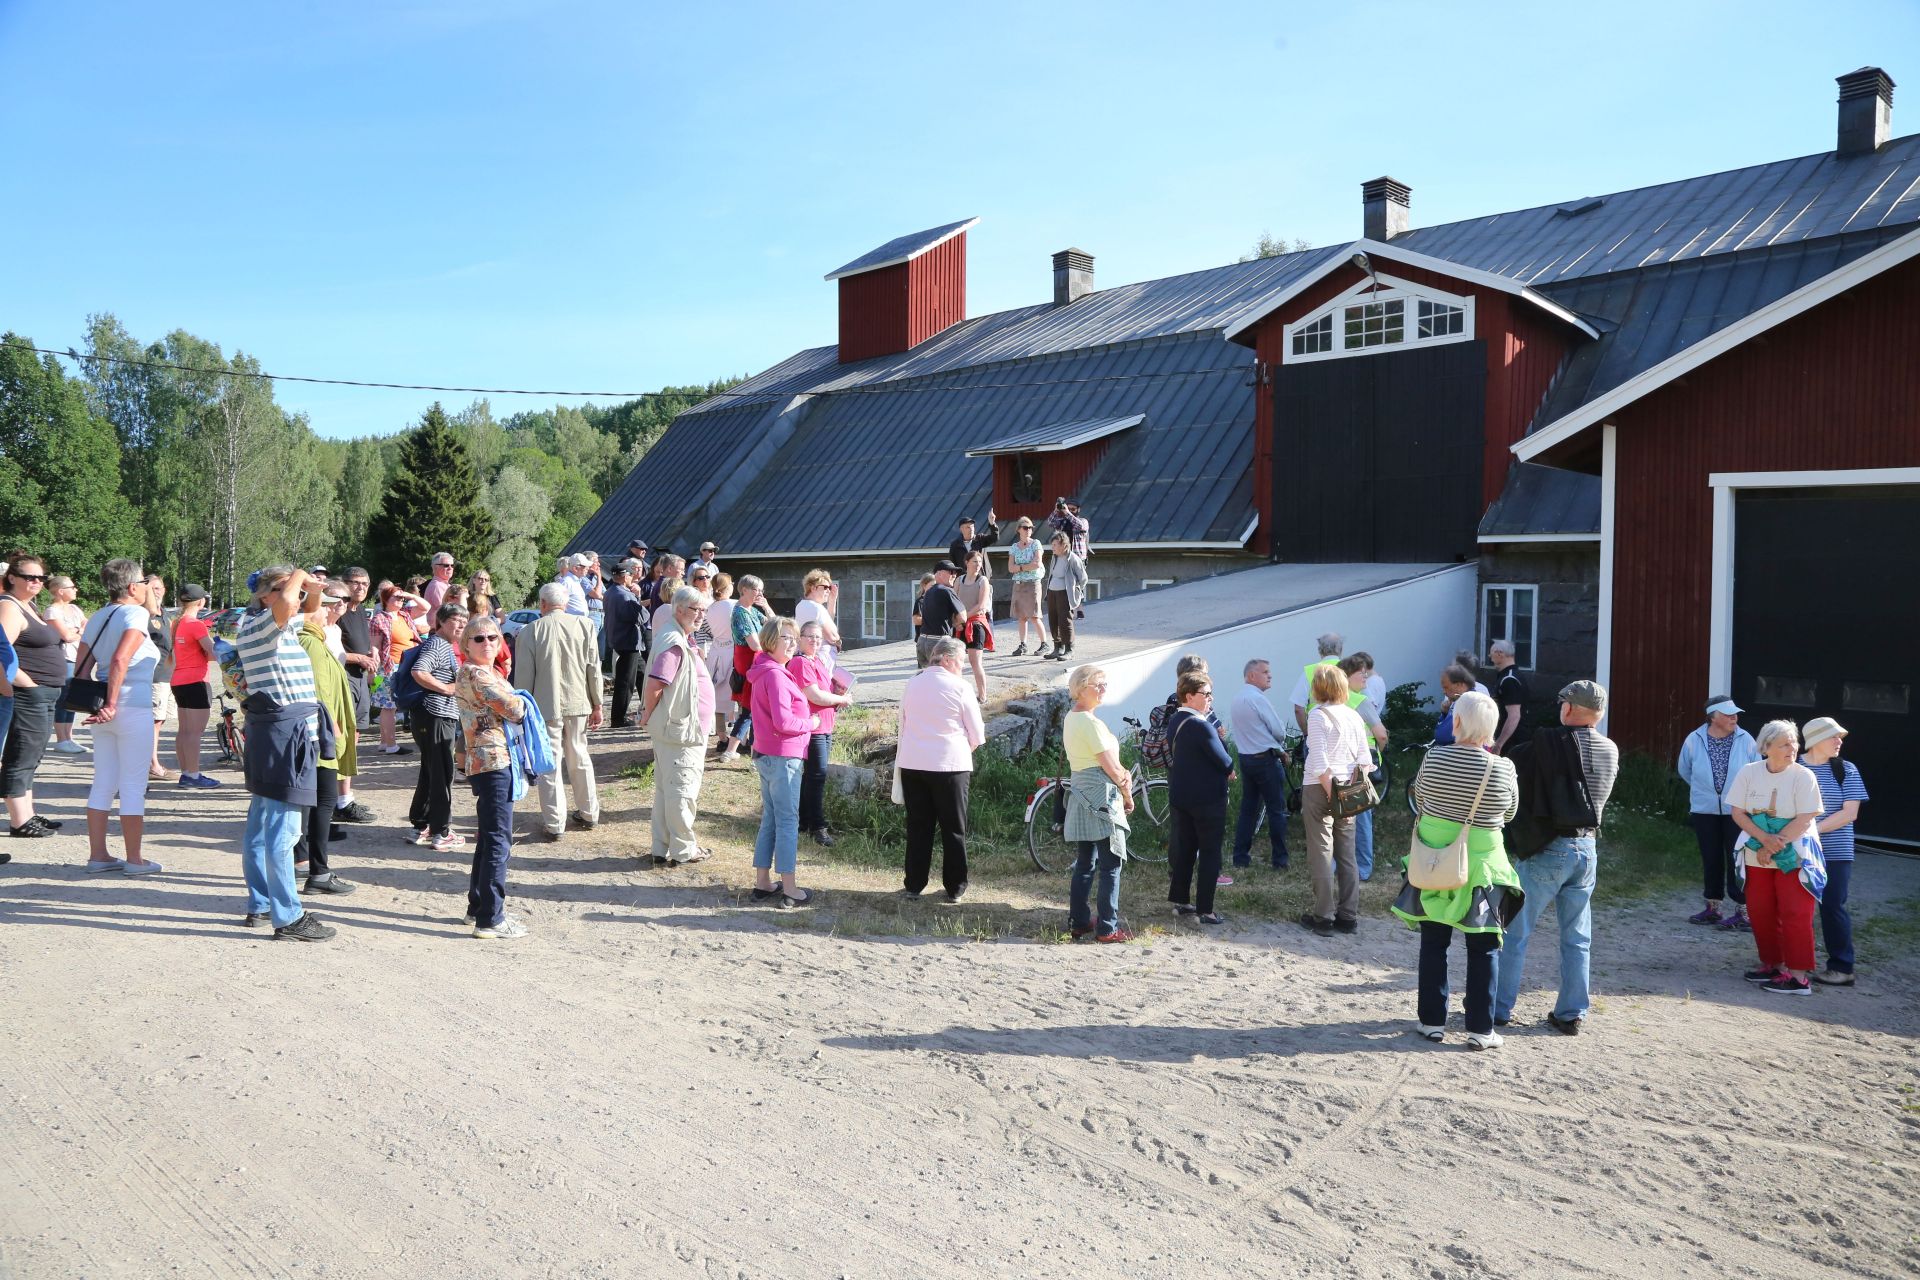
x,y
1487,637
1148,584
1093,589
867,633
1379,288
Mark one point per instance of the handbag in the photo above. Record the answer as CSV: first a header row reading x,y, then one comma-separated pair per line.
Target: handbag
x,y
1446,867
81,695
1356,795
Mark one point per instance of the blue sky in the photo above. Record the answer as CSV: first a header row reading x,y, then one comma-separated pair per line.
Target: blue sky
x,y
616,196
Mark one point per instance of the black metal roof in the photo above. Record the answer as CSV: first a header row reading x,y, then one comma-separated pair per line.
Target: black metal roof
x,y
1541,501
1055,436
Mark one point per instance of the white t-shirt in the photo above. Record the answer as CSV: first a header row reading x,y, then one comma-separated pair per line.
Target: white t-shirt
x,y
813,611
103,634
1787,794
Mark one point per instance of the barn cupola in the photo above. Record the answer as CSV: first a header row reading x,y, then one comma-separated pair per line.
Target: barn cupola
x,y
1866,111
1386,206
904,292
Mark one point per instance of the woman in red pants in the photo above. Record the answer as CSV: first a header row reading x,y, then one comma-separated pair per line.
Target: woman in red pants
x,y
1775,801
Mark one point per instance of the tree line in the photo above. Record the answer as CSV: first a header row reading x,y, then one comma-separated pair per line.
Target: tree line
x,y
198,473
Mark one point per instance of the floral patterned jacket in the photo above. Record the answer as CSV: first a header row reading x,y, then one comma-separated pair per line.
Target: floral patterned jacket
x,y
486,702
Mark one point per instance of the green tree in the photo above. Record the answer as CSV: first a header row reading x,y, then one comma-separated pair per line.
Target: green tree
x,y
363,478
59,469
520,510
432,504
1272,246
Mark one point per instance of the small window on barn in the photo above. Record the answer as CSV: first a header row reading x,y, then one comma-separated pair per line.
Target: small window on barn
x,y
1026,477
1376,324
1093,588
1510,611
1439,319
1314,337
873,611
1148,584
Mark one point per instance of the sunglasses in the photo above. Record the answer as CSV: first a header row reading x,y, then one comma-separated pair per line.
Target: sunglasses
x,y
488,638
31,577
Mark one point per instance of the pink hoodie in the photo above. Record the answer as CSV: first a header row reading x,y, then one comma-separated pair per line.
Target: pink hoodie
x,y
782,720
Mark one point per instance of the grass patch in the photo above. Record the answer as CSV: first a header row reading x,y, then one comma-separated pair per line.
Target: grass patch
x,y
1892,928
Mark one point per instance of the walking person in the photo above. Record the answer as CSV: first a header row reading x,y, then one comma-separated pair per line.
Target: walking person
x,y
69,618
1776,801
486,705
335,697
1562,875
436,726
975,590
1842,792
1464,785
782,723
1257,734
192,658
1337,752
559,664
750,616
817,682
676,708
1025,568
287,735
1066,588
624,614
940,728
1510,693
40,675
1197,785
1710,758
1099,798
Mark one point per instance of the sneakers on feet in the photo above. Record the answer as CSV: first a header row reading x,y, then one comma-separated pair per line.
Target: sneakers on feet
x,y
1021,652
254,919
822,837
1710,915
96,868
1565,1026
449,843
1435,1034
1833,978
422,837
509,927
1788,985
1765,973
69,748
354,812
1738,920
306,929
1321,926
1118,935
1489,1040
147,868
329,884
1078,932
31,829
1222,880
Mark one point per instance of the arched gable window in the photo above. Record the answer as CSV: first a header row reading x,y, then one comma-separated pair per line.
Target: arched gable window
x,y
1382,312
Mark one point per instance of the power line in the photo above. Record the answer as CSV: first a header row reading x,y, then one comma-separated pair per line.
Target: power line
x,y
762,395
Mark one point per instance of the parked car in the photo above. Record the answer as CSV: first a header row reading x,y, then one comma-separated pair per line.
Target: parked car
x,y
518,618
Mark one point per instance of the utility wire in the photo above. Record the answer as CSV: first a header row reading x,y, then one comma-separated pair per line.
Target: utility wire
x,y
763,395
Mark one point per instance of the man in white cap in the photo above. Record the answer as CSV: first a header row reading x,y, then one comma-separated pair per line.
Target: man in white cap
x,y
571,579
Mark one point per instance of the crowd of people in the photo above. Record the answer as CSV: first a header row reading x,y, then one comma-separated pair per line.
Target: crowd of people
x,y
1507,813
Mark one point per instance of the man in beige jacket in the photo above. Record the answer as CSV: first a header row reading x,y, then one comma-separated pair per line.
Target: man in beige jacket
x,y
676,707
557,660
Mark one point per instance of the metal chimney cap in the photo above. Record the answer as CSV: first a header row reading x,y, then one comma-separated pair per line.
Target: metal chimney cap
x,y
1865,83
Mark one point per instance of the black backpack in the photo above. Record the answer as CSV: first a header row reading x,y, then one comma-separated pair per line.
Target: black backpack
x,y
408,694
1155,747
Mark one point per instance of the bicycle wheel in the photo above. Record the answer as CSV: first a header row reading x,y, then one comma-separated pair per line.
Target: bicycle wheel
x,y
1046,843
1382,777
1147,841
226,735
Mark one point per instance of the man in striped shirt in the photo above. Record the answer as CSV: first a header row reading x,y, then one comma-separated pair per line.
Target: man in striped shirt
x,y
1562,873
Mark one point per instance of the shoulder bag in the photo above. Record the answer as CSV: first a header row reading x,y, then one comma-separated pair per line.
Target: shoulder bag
x,y
1446,867
82,695
1356,795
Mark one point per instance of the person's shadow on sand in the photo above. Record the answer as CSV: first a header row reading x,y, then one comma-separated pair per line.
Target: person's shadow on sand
x,y
1150,1043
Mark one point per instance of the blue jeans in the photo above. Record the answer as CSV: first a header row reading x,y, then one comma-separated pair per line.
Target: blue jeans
x,y
1836,922
1561,876
492,844
1262,783
778,843
1363,845
1095,859
60,714
266,858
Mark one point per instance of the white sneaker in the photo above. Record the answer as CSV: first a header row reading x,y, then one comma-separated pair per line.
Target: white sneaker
x,y
449,843
70,748
101,868
1491,1040
147,868
509,927
1435,1034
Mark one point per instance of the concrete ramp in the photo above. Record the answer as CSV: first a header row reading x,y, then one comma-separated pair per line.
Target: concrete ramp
x,y
1410,617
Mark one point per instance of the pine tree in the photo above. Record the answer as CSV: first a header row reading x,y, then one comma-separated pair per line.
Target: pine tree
x,y
432,504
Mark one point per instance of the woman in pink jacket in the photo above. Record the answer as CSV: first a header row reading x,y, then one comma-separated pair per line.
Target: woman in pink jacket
x,y
783,723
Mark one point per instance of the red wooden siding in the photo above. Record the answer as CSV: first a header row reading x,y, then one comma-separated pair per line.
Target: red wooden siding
x,y
1062,475
1524,351
1836,388
893,308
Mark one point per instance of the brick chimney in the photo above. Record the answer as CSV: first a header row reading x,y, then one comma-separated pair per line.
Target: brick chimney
x,y
1072,275
1866,111
906,291
1385,204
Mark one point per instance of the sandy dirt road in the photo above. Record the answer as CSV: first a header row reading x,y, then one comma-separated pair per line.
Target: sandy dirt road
x,y
659,1082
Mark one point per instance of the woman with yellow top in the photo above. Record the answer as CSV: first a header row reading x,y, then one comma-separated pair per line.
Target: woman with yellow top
x,y
335,696
487,703
1464,784
1099,798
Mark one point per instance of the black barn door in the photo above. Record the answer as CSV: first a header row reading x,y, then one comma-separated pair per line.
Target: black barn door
x,y
1826,603
1377,457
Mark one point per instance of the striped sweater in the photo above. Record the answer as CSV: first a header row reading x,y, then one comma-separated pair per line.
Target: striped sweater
x,y
1451,774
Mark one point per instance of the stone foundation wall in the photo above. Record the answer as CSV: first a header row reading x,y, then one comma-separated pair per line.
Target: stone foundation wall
x,y
1567,576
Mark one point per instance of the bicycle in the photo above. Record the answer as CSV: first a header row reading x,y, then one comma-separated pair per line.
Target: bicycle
x,y
1295,774
1154,797
231,733
1048,845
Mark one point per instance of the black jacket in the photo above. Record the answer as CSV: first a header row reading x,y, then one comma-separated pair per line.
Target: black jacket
x,y
957,549
1197,778
282,761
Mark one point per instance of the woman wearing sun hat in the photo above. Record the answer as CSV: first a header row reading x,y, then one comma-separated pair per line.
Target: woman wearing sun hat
x,y
1841,793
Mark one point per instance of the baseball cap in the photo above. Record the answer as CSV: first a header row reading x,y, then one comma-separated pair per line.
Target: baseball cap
x,y
966,519
192,591
1585,693
1722,705
319,568
1818,731
577,560
944,563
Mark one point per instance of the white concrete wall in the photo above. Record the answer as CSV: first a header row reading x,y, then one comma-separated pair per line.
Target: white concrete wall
x,y
1411,628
